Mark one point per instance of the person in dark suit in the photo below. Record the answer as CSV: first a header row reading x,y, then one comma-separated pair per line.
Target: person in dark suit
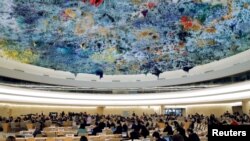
x,y
11,138
102,125
192,136
157,136
124,127
96,130
37,131
83,138
118,129
134,135
177,137
168,129
181,130
144,131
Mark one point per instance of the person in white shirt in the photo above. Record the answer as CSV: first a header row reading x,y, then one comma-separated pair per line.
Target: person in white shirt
x,y
89,120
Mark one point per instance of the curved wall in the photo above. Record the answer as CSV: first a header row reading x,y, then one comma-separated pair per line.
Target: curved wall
x,y
239,91
226,67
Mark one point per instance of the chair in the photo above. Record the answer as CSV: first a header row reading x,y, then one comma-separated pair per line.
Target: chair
x,y
186,125
46,129
37,124
48,123
198,127
76,139
20,139
23,125
94,138
164,133
70,123
6,127
40,139
39,135
115,139
68,139
65,123
161,125
50,134
102,138
29,126
117,135
18,125
60,133
50,139
82,134
14,126
108,132
195,125
30,139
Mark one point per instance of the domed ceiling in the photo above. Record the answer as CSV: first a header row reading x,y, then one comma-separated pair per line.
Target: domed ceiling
x,y
123,36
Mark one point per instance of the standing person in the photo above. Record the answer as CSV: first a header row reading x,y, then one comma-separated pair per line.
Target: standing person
x,y
37,131
144,131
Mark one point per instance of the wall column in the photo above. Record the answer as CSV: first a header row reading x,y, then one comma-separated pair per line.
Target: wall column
x,y
5,110
162,108
100,110
246,106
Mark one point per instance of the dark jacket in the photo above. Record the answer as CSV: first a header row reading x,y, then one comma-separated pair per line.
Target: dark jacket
x,y
144,132
96,130
169,130
125,128
118,130
160,139
36,132
134,135
193,137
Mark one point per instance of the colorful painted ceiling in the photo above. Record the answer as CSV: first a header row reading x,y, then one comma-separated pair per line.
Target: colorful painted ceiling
x,y
123,36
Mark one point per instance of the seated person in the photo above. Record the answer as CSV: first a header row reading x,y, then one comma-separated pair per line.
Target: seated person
x,y
168,129
82,129
181,130
83,138
118,128
192,136
11,138
125,127
134,135
144,131
157,136
177,137
96,129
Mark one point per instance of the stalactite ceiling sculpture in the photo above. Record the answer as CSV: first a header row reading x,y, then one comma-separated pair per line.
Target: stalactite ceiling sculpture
x,y
123,36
